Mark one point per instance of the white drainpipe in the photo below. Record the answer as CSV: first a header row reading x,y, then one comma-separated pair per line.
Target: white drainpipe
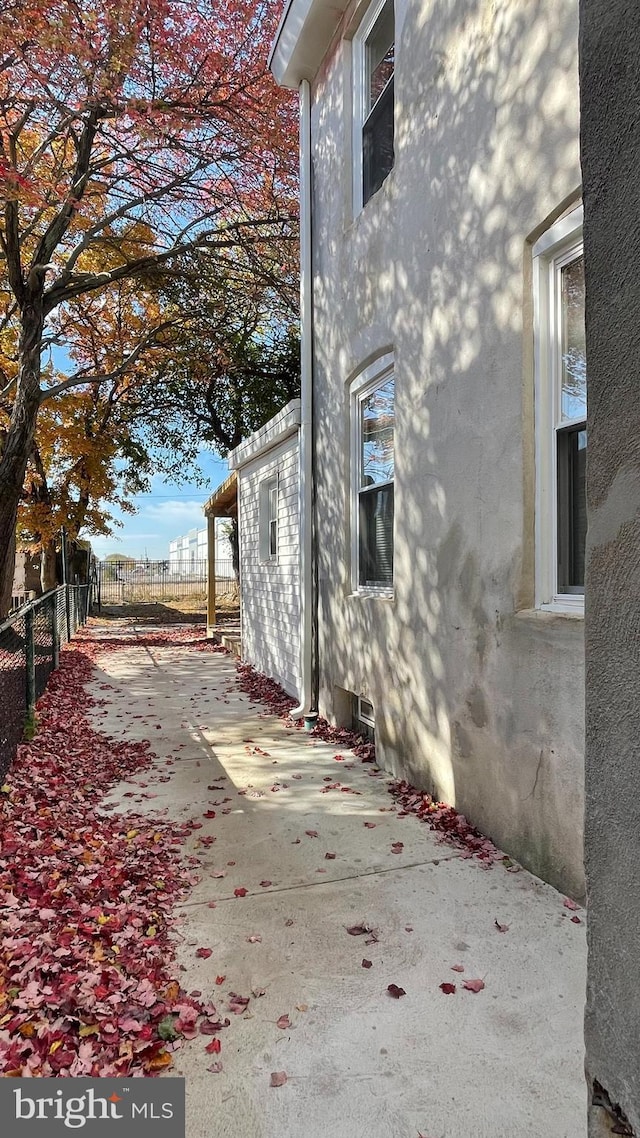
x,y
306,426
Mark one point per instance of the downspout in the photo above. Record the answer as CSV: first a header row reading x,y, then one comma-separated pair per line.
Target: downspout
x,y
305,499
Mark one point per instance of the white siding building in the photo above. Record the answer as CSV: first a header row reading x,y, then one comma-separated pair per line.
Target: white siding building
x,y
190,551
267,465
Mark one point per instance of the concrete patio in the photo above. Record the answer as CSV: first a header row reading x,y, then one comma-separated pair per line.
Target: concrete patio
x,y
503,1062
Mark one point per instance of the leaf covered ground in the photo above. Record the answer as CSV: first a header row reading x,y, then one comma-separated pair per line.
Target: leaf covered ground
x,y
87,976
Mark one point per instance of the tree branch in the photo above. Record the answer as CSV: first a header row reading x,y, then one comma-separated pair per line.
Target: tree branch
x,y
82,378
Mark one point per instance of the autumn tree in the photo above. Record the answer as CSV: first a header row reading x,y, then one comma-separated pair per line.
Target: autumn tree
x,y
234,361
130,135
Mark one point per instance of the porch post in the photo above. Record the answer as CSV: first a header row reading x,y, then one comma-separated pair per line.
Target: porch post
x,y
211,574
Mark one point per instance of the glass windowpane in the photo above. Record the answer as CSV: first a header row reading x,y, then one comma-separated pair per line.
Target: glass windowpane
x,y
377,435
376,536
378,154
572,509
380,55
574,359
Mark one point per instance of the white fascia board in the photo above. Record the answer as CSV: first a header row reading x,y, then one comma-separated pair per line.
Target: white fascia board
x,y
302,40
285,423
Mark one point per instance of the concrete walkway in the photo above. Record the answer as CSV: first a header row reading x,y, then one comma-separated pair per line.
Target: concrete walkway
x,y
505,1062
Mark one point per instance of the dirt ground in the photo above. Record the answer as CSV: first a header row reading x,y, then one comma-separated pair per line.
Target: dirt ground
x,y
185,610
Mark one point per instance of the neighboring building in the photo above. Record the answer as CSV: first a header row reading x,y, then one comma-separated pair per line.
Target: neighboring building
x,y
610,92
442,251
190,551
267,468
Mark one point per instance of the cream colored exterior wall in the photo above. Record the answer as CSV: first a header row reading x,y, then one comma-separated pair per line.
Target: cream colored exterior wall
x,y
478,697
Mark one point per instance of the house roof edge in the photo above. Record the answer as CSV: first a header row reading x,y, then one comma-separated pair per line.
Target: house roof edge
x,y
285,423
303,37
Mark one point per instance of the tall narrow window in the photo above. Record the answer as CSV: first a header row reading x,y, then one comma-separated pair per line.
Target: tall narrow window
x,y
373,432
571,429
561,414
268,519
273,519
373,69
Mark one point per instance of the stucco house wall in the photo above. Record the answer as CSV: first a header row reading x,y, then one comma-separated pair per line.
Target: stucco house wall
x,y
270,586
478,696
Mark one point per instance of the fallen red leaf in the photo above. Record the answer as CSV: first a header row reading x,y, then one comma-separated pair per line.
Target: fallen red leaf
x,y
395,991
283,1022
311,833
220,979
457,967
214,1048
204,953
367,963
569,904
370,825
357,930
330,857
473,985
278,1078
397,847
240,892
501,928
266,884
448,989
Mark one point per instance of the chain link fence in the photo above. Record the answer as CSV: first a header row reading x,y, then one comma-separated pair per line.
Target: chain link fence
x,y
30,643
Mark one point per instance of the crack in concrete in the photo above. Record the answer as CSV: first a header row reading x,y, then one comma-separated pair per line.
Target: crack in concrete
x,y
329,881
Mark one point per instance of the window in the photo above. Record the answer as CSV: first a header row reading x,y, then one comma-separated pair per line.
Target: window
x,y
373,430
561,414
269,519
373,101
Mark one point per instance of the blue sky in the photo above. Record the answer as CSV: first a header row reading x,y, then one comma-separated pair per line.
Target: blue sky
x,y
166,512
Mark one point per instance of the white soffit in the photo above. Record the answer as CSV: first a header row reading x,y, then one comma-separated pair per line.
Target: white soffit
x,y
303,37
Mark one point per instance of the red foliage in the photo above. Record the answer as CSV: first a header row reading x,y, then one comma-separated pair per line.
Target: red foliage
x,y
261,689
87,981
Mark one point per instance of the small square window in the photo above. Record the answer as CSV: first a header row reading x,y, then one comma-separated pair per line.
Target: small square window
x,y
373,75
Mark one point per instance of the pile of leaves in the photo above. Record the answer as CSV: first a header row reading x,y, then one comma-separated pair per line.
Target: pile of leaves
x,y
263,690
452,826
86,947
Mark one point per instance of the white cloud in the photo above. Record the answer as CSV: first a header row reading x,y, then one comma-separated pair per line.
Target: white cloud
x,y
185,514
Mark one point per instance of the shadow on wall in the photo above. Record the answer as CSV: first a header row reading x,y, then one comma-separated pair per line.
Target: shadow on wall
x,y
470,700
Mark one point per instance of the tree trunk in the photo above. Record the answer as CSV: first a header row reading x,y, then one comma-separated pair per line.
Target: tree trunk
x,y
48,566
18,442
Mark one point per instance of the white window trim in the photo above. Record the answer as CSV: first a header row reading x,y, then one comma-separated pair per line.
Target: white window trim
x,y
554,248
361,387
264,506
359,68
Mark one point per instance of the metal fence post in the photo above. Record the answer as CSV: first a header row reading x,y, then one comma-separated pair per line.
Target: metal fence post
x,y
55,631
30,662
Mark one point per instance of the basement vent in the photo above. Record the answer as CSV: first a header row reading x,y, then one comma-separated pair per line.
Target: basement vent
x,y
363,716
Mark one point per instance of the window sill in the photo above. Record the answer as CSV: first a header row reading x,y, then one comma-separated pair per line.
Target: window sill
x,y
555,609
368,594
